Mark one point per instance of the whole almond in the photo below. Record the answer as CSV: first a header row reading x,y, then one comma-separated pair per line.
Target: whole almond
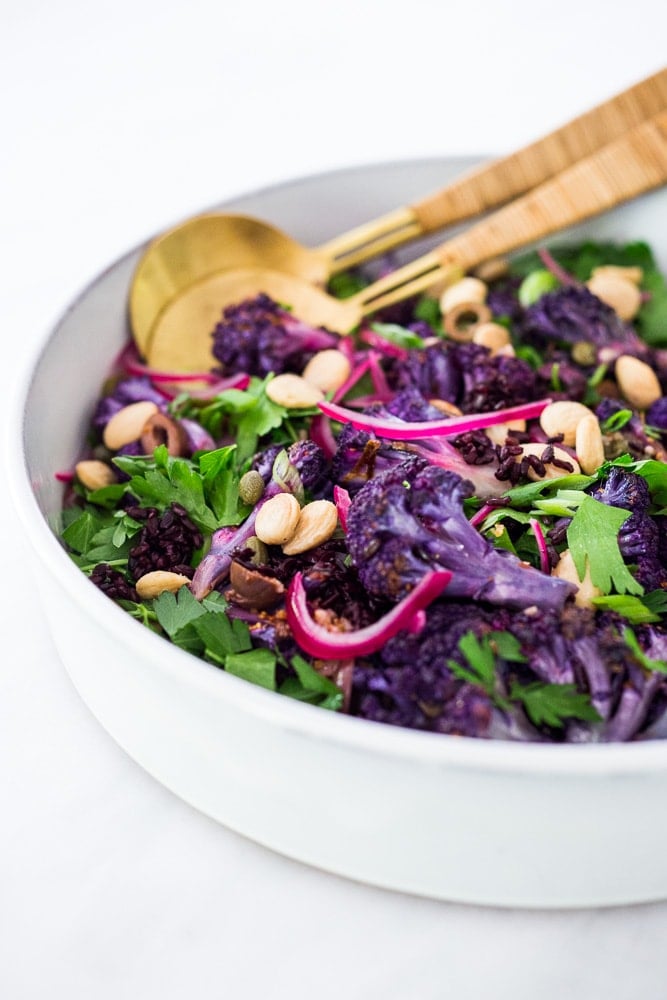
x,y
498,433
277,519
637,381
327,370
622,295
633,274
562,417
552,471
153,584
589,445
466,290
127,425
316,525
446,407
566,570
491,335
293,392
94,475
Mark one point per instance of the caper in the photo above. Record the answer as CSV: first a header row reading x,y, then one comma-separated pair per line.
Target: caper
x,y
584,353
251,487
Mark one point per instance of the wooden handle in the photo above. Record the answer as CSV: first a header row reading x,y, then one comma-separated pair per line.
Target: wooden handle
x,y
620,171
507,178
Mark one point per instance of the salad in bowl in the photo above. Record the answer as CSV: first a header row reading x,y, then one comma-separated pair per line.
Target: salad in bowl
x,y
452,520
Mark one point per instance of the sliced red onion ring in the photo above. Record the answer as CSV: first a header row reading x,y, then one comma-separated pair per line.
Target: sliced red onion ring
x,y
318,641
545,564
404,430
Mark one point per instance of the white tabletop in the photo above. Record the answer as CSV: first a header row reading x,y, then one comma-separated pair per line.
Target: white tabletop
x,y
117,119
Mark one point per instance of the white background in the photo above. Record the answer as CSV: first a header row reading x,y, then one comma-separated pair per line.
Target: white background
x,y
115,120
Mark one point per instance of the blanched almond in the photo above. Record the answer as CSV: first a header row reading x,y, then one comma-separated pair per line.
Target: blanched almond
x,y
566,570
633,274
491,335
293,392
637,381
499,432
153,584
277,519
327,370
127,425
94,475
316,525
622,295
589,445
562,417
446,407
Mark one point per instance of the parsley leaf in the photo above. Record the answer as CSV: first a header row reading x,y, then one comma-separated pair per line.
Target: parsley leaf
x,y
659,666
398,335
548,704
311,686
257,666
635,610
164,480
551,704
593,538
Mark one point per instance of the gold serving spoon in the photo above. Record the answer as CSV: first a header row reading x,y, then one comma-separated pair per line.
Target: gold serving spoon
x,y
213,242
618,172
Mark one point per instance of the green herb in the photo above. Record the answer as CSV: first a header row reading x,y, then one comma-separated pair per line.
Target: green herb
x,y
628,606
526,496
616,421
96,535
593,539
256,665
481,665
428,310
398,335
544,704
529,354
346,284
163,480
552,704
656,601
658,666
535,285
311,686
221,485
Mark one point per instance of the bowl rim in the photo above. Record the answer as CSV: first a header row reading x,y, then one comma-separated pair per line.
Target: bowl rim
x,y
348,732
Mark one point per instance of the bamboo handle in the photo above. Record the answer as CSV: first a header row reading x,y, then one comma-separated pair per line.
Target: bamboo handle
x,y
622,170
497,183
507,178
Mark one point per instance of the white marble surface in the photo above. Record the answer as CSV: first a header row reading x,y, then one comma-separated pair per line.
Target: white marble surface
x,y
116,119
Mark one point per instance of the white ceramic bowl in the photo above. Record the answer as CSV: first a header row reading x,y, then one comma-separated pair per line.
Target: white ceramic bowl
x,y
446,817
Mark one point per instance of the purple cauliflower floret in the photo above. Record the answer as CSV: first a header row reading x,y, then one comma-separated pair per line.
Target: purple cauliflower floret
x,y
129,390
306,457
503,300
571,378
410,520
623,489
638,537
656,415
310,462
435,371
572,314
493,383
409,404
258,336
